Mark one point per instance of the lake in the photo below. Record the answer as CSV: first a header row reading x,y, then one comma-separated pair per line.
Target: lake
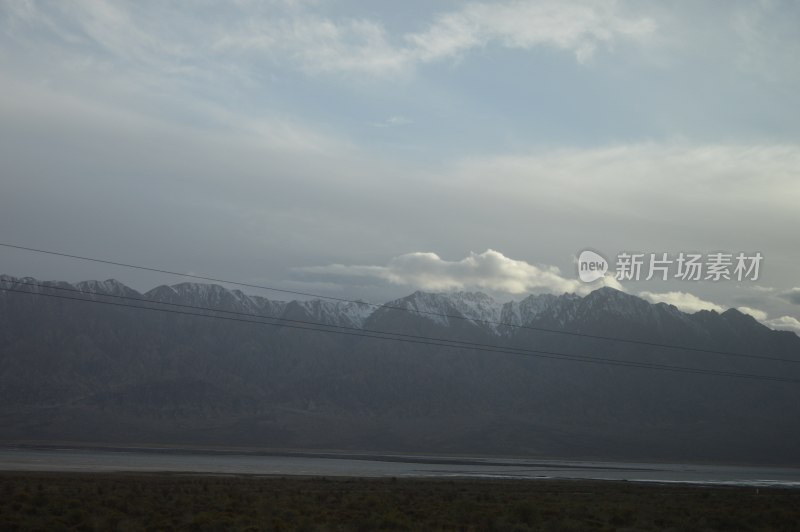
x,y
91,460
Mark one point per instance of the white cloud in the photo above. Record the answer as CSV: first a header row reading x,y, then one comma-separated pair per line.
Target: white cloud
x,y
762,289
792,296
317,44
760,315
691,303
575,26
702,167
121,31
784,323
490,270
767,39
676,180
394,121
399,120
683,300
31,103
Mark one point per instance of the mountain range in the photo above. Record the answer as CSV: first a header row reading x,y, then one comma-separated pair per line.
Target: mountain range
x,y
77,371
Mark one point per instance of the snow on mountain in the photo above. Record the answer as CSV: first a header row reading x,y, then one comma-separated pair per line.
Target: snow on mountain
x,y
357,312
216,297
477,306
625,307
109,286
31,284
163,293
339,313
442,309
569,311
268,307
524,312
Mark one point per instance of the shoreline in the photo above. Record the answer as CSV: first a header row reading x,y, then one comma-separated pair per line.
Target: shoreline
x,y
385,456
132,460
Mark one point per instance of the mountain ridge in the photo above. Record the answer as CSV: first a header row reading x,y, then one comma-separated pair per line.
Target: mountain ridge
x,y
73,371
439,307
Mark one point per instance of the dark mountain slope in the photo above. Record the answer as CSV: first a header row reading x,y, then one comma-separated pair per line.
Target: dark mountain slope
x,y
80,371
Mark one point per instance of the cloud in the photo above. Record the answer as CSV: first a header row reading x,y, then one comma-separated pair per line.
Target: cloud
x,y
490,270
784,323
43,105
207,42
578,27
394,121
762,289
792,296
691,303
493,271
132,35
766,43
760,315
398,120
318,44
619,186
122,95
683,300
721,167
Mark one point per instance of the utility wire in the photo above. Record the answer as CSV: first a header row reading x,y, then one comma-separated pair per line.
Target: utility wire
x,y
251,315
404,309
423,341
307,322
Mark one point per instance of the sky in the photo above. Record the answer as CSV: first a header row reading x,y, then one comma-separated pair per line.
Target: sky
x,y
369,149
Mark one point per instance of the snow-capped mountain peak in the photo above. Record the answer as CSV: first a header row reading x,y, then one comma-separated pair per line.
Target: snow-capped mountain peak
x,y
443,308
109,286
339,313
591,314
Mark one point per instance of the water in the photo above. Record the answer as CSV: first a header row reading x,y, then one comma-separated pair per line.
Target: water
x,y
387,466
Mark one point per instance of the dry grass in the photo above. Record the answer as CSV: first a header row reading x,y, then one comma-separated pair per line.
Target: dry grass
x,y
95,501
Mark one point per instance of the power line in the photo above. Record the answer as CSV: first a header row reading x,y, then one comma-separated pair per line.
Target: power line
x,y
422,341
315,323
262,316
403,309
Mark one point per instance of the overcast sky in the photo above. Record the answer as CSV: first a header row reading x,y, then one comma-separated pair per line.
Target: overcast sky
x,y
366,150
